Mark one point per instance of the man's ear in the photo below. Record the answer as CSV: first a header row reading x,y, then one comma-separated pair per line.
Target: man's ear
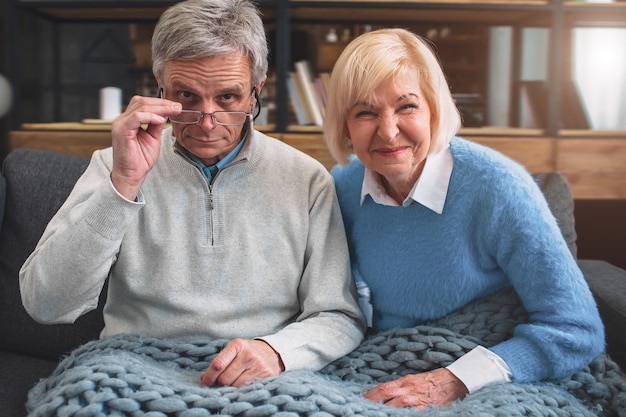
x,y
257,89
261,84
160,87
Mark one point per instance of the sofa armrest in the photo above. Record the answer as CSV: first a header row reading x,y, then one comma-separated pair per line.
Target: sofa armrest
x,y
608,285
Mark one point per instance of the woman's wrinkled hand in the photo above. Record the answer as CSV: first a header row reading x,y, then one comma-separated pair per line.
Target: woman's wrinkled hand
x,y
435,388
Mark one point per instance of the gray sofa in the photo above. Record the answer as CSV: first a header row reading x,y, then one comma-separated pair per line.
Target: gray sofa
x,y
35,183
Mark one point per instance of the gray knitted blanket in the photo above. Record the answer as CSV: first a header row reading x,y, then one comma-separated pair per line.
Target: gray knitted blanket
x,y
137,376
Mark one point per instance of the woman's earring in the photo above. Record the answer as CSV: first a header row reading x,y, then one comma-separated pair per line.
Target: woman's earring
x,y
349,144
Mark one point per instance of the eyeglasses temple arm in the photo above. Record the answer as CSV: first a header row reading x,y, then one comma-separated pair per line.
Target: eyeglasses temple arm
x,y
257,105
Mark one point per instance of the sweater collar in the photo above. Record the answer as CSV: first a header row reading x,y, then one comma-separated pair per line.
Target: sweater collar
x,y
211,170
244,151
430,189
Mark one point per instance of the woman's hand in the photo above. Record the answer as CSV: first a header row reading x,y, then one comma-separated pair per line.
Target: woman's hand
x,y
439,387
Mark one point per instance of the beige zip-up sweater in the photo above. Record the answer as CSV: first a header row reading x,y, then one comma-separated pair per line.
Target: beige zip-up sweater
x,y
260,253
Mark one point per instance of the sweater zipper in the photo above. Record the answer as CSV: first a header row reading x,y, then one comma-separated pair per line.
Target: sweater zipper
x,y
210,197
211,226
211,205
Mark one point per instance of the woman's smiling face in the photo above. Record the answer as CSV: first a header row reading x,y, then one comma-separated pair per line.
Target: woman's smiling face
x,y
390,132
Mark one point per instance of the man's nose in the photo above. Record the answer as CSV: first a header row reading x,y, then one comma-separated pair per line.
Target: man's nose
x,y
207,119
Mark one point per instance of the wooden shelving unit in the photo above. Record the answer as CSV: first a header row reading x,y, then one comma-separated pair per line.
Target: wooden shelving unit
x,y
467,18
593,161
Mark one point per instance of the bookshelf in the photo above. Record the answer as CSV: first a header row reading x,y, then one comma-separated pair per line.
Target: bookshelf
x,y
297,30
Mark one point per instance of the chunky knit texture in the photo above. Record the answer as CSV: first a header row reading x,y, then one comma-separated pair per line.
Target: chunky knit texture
x,y
136,376
496,230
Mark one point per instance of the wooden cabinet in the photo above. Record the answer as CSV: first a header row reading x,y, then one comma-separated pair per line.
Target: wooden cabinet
x,y
592,162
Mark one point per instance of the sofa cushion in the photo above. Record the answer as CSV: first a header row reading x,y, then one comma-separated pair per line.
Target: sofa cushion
x,y
608,285
559,196
20,373
37,183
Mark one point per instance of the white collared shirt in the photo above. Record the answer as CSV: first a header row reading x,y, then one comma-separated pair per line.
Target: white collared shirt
x,y
479,367
430,190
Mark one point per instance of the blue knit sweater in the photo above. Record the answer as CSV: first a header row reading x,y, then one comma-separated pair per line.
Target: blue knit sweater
x,y
496,230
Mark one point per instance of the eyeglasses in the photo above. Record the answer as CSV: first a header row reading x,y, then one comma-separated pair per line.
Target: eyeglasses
x,y
220,117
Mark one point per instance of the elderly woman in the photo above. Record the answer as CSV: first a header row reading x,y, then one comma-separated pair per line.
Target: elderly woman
x,y
435,221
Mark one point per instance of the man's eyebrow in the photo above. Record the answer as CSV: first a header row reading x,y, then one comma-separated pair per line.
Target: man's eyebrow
x,y
234,88
181,85
231,90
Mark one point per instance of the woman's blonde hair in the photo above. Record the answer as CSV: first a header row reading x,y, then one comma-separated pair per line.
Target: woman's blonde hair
x,y
373,59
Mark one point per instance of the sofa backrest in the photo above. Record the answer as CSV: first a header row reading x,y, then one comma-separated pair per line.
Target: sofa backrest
x,y
559,196
37,183
3,191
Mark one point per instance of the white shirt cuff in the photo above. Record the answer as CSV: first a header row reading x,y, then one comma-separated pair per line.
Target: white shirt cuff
x,y
138,198
480,367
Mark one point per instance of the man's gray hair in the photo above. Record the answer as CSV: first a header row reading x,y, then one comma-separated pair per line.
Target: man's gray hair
x,y
195,29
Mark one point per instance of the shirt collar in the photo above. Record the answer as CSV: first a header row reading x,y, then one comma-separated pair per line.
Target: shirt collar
x,y
210,170
430,189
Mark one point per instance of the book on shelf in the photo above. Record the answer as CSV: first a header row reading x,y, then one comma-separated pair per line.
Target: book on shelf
x,y
325,77
320,94
307,94
296,100
304,102
305,76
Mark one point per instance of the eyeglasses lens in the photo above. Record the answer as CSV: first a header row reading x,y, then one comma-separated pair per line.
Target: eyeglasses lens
x,y
229,118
